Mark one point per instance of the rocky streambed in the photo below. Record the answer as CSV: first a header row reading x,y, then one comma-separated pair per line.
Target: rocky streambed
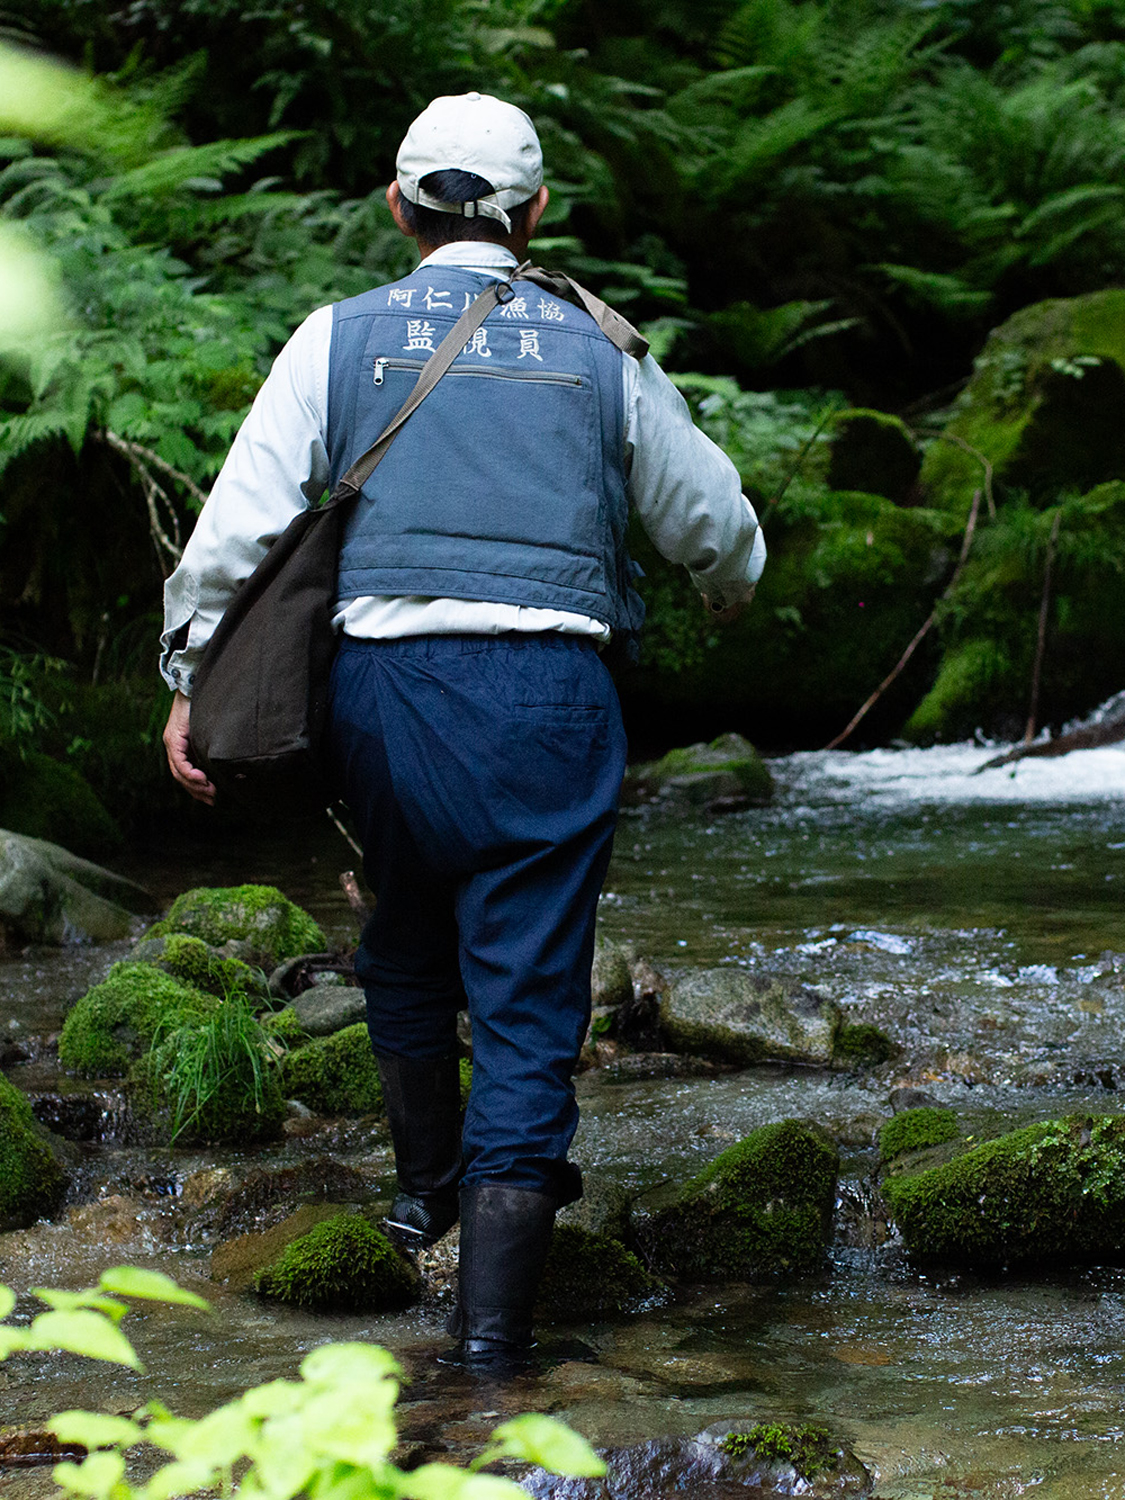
x,y
922,966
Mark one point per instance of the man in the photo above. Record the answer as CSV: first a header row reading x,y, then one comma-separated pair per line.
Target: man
x,y
474,730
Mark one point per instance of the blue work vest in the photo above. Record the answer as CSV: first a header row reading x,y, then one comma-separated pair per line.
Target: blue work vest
x,y
507,484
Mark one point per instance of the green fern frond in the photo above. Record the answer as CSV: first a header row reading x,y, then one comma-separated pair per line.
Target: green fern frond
x,y
174,170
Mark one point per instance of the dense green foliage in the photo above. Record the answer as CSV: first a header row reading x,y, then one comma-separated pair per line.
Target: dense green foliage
x,y
836,199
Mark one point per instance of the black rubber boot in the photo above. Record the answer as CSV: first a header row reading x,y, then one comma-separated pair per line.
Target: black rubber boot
x,y
505,1236
423,1099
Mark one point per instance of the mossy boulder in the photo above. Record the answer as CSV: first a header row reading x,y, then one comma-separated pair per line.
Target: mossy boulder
x,y
915,1130
874,452
734,1016
115,1022
44,798
335,1075
862,1045
49,895
31,1181
266,924
196,963
1043,405
611,978
1051,1194
700,776
211,1078
344,1264
764,1206
589,1274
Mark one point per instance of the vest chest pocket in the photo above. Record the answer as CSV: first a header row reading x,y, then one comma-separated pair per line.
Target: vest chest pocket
x,y
541,377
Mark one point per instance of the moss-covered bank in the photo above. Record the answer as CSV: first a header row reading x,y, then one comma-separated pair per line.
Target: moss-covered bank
x,y
335,1075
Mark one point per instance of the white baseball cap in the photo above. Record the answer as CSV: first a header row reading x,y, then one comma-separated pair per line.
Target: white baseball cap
x,y
472,133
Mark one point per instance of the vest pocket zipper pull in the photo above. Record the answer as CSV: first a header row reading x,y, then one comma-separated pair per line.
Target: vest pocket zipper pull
x,y
380,366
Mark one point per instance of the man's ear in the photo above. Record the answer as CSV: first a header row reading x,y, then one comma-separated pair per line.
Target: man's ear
x,y
537,210
394,203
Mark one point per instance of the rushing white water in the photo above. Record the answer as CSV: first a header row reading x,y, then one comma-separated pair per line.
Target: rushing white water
x,y
952,774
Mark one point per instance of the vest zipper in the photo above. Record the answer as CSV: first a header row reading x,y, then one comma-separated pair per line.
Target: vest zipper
x,y
543,377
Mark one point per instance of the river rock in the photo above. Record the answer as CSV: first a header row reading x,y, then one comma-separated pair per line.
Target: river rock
x,y
611,979
328,1008
1051,1194
719,1464
31,1181
115,1022
343,1264
335,1075
734,1016
253,922
48,895
728,771
237,1261
763,1206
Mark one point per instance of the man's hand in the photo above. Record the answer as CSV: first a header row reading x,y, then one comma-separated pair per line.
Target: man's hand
x,y
725,614
190,777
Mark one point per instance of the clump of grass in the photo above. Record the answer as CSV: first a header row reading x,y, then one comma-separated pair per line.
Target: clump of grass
x,y
215,1078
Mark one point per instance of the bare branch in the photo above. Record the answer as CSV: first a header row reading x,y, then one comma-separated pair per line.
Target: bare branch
x,y
921,634
1041,642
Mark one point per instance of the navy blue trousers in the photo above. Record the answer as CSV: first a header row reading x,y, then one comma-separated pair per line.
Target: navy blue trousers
x,y
483,773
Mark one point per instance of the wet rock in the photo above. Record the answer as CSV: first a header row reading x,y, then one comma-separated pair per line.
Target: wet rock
x,y
697,776
116,1021
611,979
1051,1194
220,1200
911,1098
344,1264
744,1018
327,1008
335,1075
603,1209
114,1220
84,1115
720,1464
639,1067
31,1181
763,1206
239,1260
48,895
253,922
296,975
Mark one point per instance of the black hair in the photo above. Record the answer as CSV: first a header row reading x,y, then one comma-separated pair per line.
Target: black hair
x,y
453,186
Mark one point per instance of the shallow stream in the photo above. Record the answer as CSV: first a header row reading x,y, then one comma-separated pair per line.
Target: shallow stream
x,y
976,918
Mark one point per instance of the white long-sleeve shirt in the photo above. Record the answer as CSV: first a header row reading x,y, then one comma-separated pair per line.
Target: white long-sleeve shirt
x,y
685,490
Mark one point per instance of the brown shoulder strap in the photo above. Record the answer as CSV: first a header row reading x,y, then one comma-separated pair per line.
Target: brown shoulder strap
x,y
616,328
431,372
